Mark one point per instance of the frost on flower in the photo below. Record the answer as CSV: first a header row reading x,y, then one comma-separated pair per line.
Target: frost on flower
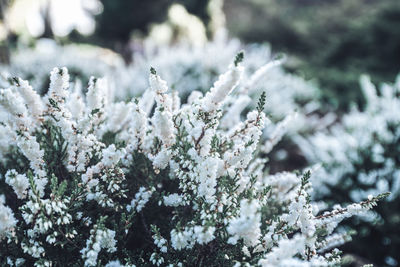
x,y
145,182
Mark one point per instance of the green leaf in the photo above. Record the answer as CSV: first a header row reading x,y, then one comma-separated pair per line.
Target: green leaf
x,y
94,111
239,58
261,102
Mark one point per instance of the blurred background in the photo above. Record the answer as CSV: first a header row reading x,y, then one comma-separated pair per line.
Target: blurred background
x,y
328,43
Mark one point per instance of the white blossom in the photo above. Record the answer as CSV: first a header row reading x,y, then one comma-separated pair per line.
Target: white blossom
x,y
7,219
222,88
173,200
140,200
99,238
246,225
111,156
19,182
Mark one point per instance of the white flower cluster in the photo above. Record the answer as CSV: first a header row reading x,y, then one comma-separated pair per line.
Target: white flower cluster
x,y
99,238
359,157
7,219
193,68
187,68
126,182
247,225
18,182
140,200
361,151
173,200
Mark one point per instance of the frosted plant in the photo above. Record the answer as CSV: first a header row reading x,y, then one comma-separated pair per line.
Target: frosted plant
x,y
360,157
34,64
372,135
189,68
99,183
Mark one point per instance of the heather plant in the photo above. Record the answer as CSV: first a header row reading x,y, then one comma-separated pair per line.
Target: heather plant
x,y
190,68
360,156
88,181
292,101
193,68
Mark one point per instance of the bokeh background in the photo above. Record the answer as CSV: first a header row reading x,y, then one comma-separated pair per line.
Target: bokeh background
x,y
329,43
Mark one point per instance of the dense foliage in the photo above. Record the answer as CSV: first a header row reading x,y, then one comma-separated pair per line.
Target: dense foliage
x,y
91,182
361,156
189,68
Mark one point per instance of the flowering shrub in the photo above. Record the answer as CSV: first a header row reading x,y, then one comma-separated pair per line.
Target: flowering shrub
x,y
291,100
92,182
188,68
360,156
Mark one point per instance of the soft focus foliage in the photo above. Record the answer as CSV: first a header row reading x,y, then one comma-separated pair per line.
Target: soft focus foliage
x,y
190,68
94,182
333,42
82,61
360,155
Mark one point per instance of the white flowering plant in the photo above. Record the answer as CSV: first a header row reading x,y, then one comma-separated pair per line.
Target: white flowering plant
x,y
88,181
186,67
189,68
360,157
292,101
